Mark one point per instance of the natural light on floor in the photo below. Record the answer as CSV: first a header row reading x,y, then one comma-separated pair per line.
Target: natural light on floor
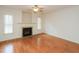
x,y
8,48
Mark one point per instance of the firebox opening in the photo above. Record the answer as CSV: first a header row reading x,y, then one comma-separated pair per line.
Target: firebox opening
x,y
27,31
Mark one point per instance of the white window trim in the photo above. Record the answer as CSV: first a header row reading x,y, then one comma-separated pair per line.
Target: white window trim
x,y
39,25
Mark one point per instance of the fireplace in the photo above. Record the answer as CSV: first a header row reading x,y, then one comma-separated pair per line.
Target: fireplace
x,y
27,31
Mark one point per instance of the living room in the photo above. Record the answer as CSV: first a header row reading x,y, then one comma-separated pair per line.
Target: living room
x,y
59,21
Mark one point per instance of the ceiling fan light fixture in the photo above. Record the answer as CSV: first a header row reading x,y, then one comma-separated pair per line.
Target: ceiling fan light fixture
x,y
35,8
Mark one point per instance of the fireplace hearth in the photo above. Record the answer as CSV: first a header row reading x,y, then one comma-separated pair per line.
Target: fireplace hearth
x,y
27,31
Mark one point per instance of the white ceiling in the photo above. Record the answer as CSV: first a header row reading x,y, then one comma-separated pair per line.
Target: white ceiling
x,y
28,8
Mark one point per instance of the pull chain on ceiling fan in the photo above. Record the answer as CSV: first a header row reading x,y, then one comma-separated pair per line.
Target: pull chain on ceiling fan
x,y
37,10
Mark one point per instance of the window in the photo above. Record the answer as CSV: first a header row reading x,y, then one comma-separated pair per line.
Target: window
x,y
39,23
8,24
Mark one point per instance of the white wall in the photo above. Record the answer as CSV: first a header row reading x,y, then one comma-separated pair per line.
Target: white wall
x,y
26,18
17,17
63,23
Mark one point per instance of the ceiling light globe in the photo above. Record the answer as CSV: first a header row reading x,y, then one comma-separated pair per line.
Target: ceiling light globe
x,y
35,9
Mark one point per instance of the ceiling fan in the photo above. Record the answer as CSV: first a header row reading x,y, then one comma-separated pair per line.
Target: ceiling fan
x,y
36,8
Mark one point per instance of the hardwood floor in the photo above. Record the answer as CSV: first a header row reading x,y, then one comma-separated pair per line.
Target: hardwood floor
x,y
41,43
